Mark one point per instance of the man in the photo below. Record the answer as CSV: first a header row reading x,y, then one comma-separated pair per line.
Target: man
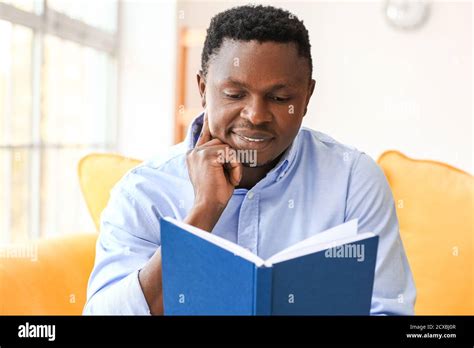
x,y
255,85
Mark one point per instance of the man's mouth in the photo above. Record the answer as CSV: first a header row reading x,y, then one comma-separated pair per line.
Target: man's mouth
x,y
252,140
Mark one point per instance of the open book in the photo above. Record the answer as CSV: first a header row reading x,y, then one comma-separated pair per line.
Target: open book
x,y
330,273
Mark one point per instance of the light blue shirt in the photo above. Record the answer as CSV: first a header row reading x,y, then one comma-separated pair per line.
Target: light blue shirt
x,y
317,184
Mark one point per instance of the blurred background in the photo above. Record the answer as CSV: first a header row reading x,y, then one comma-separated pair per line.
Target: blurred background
x,y
82,76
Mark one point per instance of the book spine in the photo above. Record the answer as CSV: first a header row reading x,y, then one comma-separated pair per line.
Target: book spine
x,y
263,291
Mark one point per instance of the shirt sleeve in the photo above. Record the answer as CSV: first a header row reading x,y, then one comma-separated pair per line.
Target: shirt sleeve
x,y
370,200
128,238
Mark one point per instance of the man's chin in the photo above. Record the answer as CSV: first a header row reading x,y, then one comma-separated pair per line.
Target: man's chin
x,y
260,163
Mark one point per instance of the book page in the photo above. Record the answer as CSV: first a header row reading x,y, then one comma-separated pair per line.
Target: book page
x,y
339,232
219,241
311,249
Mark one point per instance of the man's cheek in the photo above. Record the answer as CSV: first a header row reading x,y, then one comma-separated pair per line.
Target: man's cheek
x,y
217,129
218,121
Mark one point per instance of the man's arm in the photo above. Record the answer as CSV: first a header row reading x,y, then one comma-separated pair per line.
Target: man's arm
x,y
129,236
126,278
213,183
150,276
370,200
132,283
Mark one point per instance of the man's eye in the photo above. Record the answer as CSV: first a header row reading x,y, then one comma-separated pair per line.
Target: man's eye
x,y
234,95
280,99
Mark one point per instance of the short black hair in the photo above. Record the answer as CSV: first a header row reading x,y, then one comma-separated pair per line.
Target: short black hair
x,y
255,22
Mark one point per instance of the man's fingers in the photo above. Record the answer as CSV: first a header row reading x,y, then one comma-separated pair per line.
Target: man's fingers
x,y
220,154
212,143
231,165
235,172
205,132
215,150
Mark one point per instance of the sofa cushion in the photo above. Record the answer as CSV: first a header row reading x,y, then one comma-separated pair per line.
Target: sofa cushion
x,y
434,206
48,277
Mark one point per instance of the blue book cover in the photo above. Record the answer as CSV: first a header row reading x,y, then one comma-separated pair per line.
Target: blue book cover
x,y
331,273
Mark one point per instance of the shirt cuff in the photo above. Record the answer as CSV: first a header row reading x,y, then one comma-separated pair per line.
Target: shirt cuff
x,y
122,298
136,302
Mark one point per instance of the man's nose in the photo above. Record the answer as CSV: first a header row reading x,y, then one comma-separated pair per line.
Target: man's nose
x,y
256,111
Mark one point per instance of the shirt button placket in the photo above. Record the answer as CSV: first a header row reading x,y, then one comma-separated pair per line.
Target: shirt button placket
x,y
248,222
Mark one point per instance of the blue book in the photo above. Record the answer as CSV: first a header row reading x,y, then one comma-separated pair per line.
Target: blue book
x,y
331,273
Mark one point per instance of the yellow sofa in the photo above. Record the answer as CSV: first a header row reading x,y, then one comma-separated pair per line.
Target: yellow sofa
x,y
435,210
56,283
434,205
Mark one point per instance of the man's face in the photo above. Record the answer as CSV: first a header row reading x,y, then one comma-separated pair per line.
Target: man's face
x,y
256,95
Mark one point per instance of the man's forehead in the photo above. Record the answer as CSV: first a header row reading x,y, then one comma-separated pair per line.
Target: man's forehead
x,y
277,83
232,47
240,61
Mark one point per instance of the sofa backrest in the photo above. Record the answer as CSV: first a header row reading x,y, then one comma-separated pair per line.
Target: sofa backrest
x,y
435,210
98,173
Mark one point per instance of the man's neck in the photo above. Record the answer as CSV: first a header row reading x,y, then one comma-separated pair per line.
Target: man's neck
x,y
252,175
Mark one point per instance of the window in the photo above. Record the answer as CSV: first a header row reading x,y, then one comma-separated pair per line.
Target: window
x,y
57,103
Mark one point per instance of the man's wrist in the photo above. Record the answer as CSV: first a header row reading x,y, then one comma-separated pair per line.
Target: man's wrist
x,y
204,215
150,281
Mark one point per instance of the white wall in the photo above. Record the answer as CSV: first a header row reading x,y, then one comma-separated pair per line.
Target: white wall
x,y
379,88
147,77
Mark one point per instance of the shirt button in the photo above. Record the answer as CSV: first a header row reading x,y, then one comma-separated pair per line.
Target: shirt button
x,y
250,195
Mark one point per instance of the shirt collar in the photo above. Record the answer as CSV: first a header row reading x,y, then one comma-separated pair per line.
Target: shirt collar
x,y
283,166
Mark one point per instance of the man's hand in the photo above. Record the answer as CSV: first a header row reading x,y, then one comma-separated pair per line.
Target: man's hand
x,y
214,178
214,175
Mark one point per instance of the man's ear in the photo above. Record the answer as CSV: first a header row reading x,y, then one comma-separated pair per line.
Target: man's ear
x,y
311,86
201,80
